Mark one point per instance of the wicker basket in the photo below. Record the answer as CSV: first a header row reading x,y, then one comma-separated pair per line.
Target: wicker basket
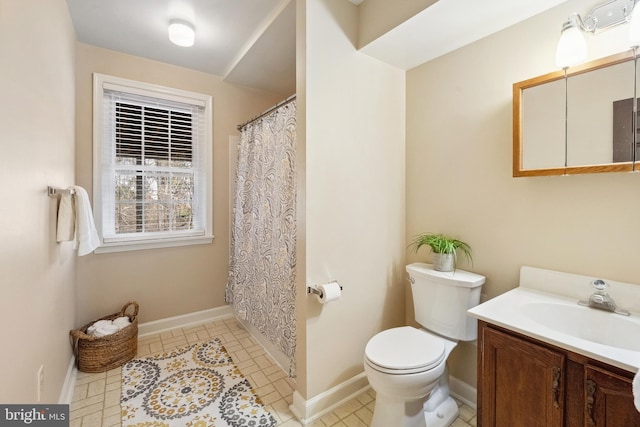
x,y
99,354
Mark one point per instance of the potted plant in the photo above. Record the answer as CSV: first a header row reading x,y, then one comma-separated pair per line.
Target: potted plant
x,y
444,248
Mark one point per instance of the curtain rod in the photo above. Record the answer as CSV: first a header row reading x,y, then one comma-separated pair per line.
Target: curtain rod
x,y
264,113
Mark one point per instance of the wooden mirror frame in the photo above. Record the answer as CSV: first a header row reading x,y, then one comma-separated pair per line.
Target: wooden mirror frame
x,y
519,87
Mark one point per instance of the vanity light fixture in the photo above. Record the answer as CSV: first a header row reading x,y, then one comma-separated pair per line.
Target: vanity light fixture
x,y
572,47
181,33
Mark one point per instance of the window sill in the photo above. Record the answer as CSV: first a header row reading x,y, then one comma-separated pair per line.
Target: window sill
x,y
106,248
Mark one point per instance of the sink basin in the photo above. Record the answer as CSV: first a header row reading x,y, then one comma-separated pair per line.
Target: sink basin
x,y
559,320
586,323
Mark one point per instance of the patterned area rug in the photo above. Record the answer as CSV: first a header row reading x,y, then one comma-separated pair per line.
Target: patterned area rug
x,y
194,386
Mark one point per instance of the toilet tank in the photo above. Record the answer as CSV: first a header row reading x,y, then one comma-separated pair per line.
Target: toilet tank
x,y
441,300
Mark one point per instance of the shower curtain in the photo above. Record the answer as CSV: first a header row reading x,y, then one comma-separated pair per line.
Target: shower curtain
x,y
262,264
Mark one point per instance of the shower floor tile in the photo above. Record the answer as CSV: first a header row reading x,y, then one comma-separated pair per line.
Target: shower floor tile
x,y
96,399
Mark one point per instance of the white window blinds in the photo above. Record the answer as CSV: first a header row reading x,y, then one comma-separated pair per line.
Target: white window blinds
x,y
153,167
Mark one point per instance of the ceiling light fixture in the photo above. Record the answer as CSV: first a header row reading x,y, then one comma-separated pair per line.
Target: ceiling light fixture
x,y
181,33
572,48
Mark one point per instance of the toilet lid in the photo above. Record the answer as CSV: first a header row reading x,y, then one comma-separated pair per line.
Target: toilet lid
x,y
406,349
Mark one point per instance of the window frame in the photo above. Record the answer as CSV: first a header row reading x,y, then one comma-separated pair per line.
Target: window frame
x,y
165,239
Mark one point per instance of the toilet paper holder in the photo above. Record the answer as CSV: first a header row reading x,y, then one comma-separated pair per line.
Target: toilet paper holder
x,y
313,289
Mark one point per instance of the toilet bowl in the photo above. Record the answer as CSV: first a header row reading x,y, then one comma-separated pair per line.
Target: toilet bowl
x,y
407,366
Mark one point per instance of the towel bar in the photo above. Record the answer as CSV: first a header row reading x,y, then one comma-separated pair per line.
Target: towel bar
x,y
53,192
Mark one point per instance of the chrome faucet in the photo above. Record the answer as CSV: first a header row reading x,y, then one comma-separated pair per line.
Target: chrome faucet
x,y
600,299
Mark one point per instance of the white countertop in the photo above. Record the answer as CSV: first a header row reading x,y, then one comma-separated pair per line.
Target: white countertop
x,y
509,311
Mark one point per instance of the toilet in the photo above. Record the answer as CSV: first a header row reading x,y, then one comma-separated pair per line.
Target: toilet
x,y
406,366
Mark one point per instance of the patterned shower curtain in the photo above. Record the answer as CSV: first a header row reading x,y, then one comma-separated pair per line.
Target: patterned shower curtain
x,y
262,265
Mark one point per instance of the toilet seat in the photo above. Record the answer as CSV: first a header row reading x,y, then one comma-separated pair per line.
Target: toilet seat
x,y
404,350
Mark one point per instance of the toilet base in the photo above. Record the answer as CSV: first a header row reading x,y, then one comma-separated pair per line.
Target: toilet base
x,y
392,412
438,410
443,415
389,412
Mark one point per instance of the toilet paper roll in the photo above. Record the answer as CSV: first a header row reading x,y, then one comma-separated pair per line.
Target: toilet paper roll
x,y
330,292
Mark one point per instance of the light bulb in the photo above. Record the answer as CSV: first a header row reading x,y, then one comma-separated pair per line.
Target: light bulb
x,y
572,48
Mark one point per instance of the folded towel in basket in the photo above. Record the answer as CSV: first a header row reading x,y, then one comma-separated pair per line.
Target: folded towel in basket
x,y
102,328
122,322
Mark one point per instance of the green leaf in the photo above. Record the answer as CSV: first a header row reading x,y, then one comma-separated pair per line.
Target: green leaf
x,y
442,244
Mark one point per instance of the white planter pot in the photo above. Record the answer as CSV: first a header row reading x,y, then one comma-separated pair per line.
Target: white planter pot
x,y
443,262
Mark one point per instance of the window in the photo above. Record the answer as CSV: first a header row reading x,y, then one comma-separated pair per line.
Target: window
x,y
152,165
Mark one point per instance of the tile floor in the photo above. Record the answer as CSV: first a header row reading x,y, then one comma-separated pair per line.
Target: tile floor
x,y
96,400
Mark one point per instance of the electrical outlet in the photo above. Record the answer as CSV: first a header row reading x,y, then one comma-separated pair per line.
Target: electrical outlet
x,y
40,384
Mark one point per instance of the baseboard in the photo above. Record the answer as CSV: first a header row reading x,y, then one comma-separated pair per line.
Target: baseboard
x,y
185,320
307,411
463,392
276,354
66,394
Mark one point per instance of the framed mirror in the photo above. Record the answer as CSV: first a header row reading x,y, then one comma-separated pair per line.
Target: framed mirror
x,y
579,124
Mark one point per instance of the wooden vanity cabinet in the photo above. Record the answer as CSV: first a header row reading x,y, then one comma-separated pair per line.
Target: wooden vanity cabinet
x,y
523,382
609,401
519,381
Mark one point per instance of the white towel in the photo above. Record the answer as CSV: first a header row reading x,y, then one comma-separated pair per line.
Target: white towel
x,y
108,327
102,328
636,390
122,322
66,219
86,237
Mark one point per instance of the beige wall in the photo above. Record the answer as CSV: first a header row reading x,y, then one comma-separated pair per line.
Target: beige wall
x,y
301,197
173,281
354,191
459,181
38,285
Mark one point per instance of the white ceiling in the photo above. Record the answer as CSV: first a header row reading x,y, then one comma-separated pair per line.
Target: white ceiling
x,y
252,42
233,37
448,25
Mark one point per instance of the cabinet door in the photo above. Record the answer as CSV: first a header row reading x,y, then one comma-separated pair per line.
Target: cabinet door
x,y
522,383
608,400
